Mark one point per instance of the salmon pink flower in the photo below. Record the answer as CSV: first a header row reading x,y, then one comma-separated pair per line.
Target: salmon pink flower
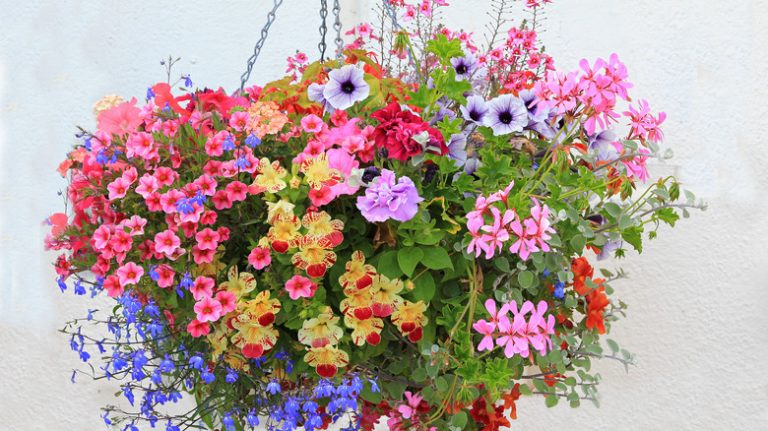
x,y
130,273
121,119
300,287
207,239
239,120
208,310
260,257
312,124
197,328
167,242
202,288
164,274
228,301
112,286
118,188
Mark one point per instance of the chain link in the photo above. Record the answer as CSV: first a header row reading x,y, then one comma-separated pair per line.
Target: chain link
x,y
337,27
323,29
260,43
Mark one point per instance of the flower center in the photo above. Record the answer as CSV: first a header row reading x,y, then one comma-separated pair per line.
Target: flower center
x,y
505,117
461,69
348,87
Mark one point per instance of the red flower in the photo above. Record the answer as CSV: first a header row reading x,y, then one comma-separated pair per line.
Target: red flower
x,y
581,271
396,130
597,301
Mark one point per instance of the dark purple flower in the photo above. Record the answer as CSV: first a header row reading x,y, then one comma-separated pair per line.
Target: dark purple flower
x,y
506,114
345,86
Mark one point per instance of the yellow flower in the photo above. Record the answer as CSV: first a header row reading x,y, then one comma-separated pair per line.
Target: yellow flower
x,y
320,225
326,360
385,295
315,255
218,339
239,284
106,103
410,319
279,208
270,177
321,330
363,331
318,173
358,275
284,231
262,309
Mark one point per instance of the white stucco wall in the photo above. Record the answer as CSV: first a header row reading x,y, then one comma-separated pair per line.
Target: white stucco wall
x,y
698,296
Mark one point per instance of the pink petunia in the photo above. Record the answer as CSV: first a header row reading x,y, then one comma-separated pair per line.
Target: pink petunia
x,y
121,119
207,239
208,310
260,257
130,273
202,256
167,242
239,120
300,287
228,301
312,124
112,286
197,328
237,191
202,288
165,275
118,188
135,225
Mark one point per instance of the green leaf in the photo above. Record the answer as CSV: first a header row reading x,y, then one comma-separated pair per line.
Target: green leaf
x,y
459,420
614,346
633,236
526,279
444,48
388,266
551,400
424,289
419,375
612,209
578,242
437,258
408,258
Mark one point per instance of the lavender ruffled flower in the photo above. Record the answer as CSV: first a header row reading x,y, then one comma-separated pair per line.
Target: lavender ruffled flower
x,y
315,94
506,114
475,110
464,66
345,86
388,197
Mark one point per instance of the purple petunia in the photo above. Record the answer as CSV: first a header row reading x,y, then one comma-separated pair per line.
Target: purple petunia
x,y
345,86
387,197
475,109
464,66
506,114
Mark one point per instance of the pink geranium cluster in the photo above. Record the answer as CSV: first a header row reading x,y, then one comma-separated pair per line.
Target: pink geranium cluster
x,y
595,89
529,235
528,327
519,54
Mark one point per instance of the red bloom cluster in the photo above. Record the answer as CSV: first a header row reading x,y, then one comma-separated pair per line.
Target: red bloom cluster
x,y
398,132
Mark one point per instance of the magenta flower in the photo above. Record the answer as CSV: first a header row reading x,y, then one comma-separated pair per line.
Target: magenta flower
x,y
524,245
487,328
118,188
167,242
644,125
539,228
228,301
387,198
496,234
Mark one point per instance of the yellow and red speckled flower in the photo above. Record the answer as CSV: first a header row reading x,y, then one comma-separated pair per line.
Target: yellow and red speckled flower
x,y
364,330
385,295
270,177
284,231
239,284
279,208
320,225
253,338
327,360
410,319
358,274
219,339
315,255
319,173
321,330
358,303
265,119
262,308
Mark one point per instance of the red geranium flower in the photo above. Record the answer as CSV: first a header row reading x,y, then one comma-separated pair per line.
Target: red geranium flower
x,y
396,131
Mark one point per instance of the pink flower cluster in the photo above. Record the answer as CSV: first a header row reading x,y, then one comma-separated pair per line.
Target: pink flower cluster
x,y
528,327
520,55
596,89
208,307
530,235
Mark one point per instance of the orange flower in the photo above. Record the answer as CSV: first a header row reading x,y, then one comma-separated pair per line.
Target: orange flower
x,y
597,301
581,271
266,119
410,319
326,360
358,274
315,255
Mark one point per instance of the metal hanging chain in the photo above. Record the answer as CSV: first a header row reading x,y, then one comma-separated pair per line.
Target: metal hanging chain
x,y
337,27
260,43
323,29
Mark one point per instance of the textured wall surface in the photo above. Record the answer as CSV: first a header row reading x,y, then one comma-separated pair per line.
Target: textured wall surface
x,y
698,295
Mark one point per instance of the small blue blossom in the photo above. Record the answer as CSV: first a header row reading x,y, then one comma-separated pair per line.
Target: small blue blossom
x,y
273,387
252,141
231,376
559,292
196,362
187,81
